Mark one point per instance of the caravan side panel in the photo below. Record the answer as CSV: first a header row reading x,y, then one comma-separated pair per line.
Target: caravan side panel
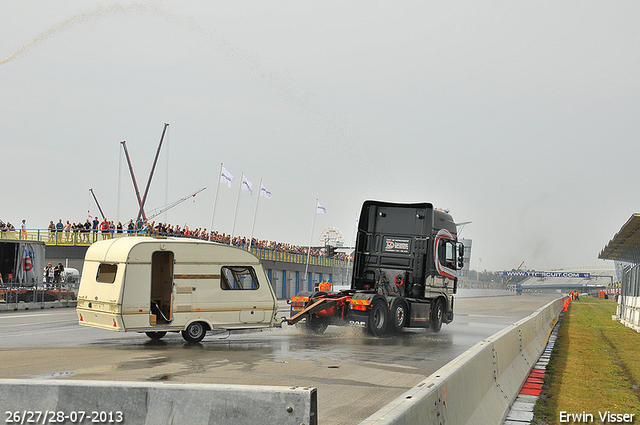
x,y
199,292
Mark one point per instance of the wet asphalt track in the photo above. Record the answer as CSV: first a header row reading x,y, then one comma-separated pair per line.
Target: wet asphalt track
x,y
355,374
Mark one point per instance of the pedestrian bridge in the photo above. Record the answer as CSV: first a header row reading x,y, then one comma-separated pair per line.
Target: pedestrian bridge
x,y
85,239
288,272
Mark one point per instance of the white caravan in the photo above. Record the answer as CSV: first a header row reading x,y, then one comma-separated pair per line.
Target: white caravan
x,y
160,285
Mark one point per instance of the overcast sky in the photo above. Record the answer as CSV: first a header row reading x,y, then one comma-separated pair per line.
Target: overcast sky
x,y
522,117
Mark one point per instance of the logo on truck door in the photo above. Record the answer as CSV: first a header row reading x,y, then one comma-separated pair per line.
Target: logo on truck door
x,y
401,245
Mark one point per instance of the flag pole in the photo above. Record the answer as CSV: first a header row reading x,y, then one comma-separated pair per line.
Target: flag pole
x,y
215,199
233,227
313,223
253,225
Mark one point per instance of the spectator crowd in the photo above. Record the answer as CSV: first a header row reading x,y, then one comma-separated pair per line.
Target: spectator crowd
x,y
6,226
92,229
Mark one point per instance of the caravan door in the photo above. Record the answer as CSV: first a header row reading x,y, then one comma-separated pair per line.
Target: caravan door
x,y
161,309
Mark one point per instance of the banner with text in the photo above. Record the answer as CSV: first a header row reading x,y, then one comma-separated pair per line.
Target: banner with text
x,y
545,274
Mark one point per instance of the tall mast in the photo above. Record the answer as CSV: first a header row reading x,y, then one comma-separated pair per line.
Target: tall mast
x,y
155,160
97,203
133,177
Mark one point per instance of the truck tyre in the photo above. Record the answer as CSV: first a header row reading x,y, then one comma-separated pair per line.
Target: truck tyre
x,y
436,316
397,315
377,322
155,335
194,332
315,325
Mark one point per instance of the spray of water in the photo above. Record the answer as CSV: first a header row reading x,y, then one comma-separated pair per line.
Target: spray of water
x,y
61,27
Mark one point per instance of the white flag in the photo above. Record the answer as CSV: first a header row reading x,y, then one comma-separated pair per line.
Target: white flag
x,y
226,177
320,209
264,192
246,185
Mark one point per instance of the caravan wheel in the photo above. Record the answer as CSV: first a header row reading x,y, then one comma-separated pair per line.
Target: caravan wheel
x,y
155,335
194,332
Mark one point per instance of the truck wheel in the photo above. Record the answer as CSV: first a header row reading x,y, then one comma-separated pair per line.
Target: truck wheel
x,y
315,325
397,315
377,323
436,316
194,332
155,335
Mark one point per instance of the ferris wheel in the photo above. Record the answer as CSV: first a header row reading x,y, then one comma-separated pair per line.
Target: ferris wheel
x,y
331,236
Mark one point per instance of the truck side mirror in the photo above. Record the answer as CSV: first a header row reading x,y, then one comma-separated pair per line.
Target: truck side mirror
x,y
460,255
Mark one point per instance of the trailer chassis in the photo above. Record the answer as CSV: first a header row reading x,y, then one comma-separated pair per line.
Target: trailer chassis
x,y
380,314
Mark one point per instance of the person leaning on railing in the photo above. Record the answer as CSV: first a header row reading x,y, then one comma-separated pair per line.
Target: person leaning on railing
x,y
59,228
52,230
67,231
7,230
86,228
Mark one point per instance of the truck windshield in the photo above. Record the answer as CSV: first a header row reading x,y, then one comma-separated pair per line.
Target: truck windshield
x,y
238,278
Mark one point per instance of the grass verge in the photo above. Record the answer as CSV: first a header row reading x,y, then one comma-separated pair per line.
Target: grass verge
x,y
594,367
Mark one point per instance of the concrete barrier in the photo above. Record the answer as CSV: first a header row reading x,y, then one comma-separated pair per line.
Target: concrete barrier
x,y
479,386
37,305
154,403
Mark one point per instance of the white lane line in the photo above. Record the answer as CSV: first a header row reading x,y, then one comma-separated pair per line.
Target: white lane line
x,y
17,316
44,331
36,324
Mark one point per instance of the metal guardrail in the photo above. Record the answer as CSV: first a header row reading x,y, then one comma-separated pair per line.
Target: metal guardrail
x,y
12,293
86,238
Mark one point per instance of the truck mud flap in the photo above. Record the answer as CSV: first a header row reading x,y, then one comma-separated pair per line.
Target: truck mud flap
x,y
319,305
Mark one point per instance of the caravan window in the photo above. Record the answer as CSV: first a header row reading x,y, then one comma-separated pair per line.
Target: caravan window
x,y
238,278
106,273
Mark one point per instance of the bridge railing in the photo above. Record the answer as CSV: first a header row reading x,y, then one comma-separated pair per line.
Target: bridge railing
x,y
86,238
